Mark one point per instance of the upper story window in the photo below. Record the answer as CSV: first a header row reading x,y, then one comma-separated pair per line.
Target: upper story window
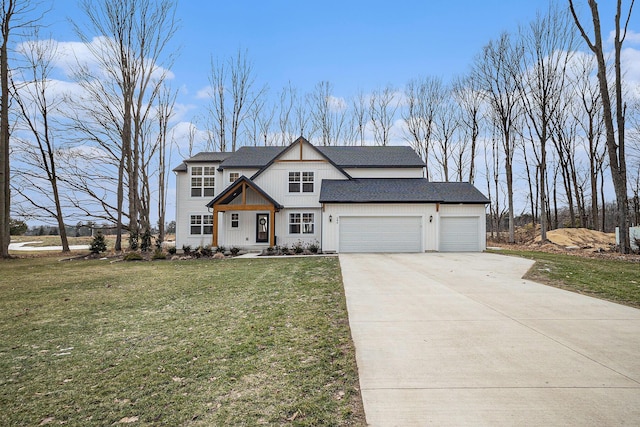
x,y
203,179
233,176
301,182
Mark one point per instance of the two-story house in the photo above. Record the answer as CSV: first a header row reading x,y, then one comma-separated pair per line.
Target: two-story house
x,y
347,199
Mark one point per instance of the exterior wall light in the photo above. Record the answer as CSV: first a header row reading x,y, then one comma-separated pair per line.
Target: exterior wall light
x,y
430,218
330,218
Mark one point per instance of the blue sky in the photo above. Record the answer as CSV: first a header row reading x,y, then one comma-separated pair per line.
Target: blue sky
x,y
355,45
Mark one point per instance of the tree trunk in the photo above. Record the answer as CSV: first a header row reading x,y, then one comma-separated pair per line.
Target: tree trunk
x,y
615,147
5,172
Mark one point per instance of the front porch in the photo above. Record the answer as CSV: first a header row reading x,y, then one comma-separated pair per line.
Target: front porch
x,y
238,200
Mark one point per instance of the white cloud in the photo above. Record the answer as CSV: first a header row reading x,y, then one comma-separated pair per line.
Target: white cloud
x,y
630,59
337,103
70,55
184,133
204,93
180,112
632,37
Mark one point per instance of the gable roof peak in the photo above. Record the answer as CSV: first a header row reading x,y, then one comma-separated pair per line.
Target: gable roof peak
x,y
298,142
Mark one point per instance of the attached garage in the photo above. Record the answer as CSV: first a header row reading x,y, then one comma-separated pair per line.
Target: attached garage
x,y
380,234
401,215
459,234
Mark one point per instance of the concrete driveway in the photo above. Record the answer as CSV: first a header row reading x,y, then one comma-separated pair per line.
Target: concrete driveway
x,y
462,339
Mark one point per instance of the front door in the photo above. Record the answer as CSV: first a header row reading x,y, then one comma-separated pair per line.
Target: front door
x,y
262,228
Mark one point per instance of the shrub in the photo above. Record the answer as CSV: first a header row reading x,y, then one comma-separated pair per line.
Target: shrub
x,y
271,250
206,251
221,249
133,256
17,227
145,242
314,247
158,254
133,241
98,244
172,250
298,248
234,250
186,249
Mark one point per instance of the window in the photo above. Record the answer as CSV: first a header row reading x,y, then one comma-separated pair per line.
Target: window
x,y
203,181
301,223
235,220
233,176
201,224
307,182
294,182
301,181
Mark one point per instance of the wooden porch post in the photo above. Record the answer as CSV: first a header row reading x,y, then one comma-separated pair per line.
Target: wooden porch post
x,y
272,226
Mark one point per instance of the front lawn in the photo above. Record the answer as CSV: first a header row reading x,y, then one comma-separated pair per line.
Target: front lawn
x,y
609,279
216,342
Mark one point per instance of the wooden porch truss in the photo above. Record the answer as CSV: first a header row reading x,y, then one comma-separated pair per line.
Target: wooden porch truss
x,y
222,204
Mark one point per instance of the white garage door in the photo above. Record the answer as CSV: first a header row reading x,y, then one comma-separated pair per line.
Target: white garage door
x,y
459,234
380,234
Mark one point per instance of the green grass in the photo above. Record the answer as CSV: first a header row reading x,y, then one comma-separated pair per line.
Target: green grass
x,y
612,280
233,342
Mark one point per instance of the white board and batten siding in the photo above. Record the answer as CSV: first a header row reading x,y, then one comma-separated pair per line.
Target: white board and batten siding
x,y
462,228
379,228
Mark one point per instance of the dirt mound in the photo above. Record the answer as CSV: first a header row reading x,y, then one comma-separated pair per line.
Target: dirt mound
x,y
581,238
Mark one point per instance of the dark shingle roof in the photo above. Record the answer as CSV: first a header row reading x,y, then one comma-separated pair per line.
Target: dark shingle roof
x,y
342,157
459,192
203,157
251,157
398,190
373,157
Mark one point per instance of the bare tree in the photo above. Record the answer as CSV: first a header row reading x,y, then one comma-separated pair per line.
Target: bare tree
x,y
327,114
38,149
232,98
423,97
321,114
615,136
135,35
587,111
547,42
359,117
166,102
466,91
446,124
217,107
265,121
492,158
497,70
288,97
14,16
382,110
